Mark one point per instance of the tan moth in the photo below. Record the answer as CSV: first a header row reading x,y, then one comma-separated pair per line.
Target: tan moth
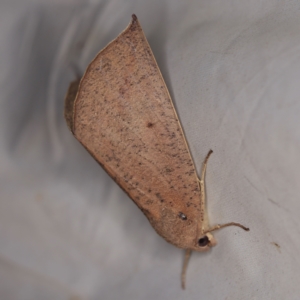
x,y
122,113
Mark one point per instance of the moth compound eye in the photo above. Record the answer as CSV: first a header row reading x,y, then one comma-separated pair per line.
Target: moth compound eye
x,y
203,241
182,216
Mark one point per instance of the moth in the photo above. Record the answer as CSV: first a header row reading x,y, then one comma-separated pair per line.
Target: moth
x,y
122,113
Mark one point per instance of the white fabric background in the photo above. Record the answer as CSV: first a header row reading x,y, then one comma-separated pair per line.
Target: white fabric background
x,y
67,231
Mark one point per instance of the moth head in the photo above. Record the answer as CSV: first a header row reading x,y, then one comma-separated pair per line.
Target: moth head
x,y
205,242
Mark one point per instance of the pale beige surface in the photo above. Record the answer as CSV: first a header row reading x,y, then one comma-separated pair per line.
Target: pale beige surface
x,y
68,232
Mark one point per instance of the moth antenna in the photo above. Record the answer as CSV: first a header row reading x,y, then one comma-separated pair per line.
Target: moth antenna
x,y
201,182
219,226
202,190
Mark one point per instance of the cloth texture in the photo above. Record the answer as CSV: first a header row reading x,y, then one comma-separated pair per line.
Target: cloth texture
x,y
67,231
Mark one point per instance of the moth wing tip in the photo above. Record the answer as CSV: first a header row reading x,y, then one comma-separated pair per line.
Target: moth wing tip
x,y
134,18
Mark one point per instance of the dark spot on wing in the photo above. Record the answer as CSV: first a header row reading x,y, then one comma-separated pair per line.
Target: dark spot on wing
x,y
182,216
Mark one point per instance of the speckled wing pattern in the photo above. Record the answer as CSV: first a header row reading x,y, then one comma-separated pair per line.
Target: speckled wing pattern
x,y
124,116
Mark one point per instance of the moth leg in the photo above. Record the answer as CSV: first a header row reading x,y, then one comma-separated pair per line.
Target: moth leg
x,y
187,256
201,181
